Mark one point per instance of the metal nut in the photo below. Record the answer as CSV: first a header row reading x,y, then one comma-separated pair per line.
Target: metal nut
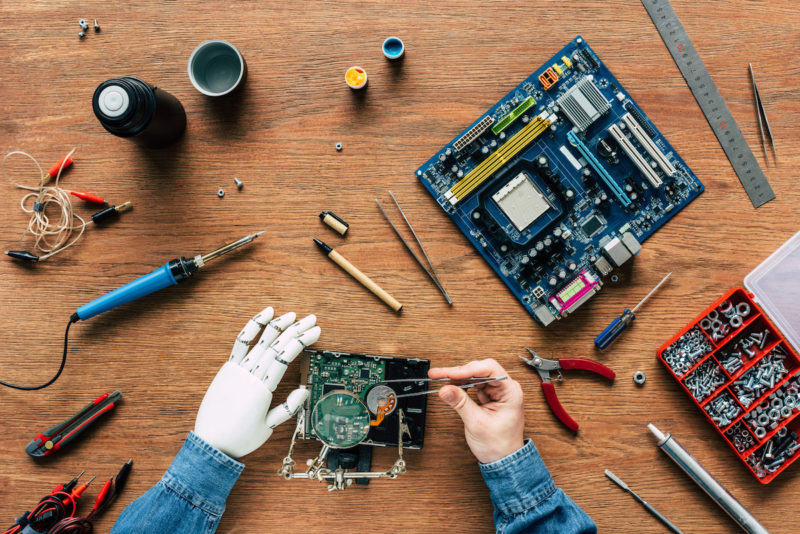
x,y
220,193
639,378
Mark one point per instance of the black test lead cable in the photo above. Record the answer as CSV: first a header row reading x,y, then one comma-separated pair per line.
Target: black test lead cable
x,y
73,319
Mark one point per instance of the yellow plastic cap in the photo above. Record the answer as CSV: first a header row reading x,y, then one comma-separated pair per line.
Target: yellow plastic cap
x,y
356,78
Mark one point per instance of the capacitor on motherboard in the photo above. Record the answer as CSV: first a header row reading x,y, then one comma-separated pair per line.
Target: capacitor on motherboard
x,y
552,281
539,246
571,265
557,231
525,260
548,241
532,253
448,152
562,274
485,150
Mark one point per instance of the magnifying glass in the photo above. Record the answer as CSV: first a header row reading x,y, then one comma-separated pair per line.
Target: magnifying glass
x,y
340,419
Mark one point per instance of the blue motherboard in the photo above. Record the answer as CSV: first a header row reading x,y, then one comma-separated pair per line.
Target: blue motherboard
x,y
560,182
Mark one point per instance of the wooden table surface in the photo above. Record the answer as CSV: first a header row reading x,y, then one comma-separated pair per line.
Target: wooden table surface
x,y
278,136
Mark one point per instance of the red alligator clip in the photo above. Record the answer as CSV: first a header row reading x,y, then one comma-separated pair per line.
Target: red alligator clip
x,y
545,367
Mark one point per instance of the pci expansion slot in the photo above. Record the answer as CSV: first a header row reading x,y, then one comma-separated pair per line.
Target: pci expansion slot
x,y
599,169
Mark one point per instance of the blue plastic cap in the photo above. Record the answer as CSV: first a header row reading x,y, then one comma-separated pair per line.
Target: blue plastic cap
x,y
393,48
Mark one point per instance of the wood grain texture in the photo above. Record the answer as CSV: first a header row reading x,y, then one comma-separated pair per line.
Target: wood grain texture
x,y
278,136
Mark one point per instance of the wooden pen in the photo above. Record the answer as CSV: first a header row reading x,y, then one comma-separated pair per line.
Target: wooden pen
x,y
365,280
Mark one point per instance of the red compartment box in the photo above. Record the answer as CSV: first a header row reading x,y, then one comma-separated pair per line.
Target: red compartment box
x,y
745,378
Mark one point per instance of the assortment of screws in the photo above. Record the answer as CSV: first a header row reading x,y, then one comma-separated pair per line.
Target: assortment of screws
x,y
723,409
761,377
686,351
741,437
746,378
724,319
775,409
774,453
743,350
85,27
705,380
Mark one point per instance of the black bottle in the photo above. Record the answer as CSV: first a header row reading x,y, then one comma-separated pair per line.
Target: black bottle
x,y
129,107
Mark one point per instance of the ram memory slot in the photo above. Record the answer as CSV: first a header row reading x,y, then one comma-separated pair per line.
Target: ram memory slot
x,y
636,158
513,115
648,144
499,158
589,157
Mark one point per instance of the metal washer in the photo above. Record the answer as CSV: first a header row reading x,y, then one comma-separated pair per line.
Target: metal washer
x,y
639,378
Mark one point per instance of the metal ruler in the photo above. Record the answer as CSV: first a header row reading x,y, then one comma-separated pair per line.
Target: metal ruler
x,y
710,100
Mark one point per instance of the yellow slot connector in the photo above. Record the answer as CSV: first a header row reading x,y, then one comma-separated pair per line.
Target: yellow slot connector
x,y
499,158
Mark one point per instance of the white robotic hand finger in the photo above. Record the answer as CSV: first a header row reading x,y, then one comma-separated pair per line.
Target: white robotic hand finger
x,y
249,333
265,361
282,413
295,346
271,332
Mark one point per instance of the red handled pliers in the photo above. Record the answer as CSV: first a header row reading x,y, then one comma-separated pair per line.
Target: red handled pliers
x,y
545,367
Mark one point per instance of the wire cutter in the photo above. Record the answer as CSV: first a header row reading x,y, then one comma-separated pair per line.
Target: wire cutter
x,y
545,367
55,438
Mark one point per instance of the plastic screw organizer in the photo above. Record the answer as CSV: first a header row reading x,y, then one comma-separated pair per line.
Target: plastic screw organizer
x,y
742,371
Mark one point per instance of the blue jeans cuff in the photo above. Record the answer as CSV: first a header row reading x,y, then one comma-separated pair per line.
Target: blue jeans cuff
x,y
203,475
518,482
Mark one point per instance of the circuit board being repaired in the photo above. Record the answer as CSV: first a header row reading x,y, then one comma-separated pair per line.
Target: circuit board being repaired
x,y
324,371
559,182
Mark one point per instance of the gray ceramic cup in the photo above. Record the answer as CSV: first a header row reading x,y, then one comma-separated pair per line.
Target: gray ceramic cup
x,y
216,68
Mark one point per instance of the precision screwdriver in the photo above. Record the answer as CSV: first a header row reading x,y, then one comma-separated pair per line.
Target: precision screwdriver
x,y
644,503
168,275
618,325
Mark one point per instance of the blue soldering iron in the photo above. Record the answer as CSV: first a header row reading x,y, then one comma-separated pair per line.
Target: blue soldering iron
x,y
168,275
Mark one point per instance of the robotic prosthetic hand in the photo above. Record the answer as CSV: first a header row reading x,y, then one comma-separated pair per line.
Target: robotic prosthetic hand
x,y
235,416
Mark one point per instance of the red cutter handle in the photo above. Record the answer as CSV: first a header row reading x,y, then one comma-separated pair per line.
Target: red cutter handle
x,y
555,406
586,365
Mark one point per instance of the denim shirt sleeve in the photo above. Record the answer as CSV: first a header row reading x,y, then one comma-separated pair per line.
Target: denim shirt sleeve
x,y
189,498
526,499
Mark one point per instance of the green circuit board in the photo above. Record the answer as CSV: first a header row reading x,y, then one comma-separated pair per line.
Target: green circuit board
x,y
327,371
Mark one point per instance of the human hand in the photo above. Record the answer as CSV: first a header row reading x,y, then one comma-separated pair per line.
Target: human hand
x,y
234,416
494,427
